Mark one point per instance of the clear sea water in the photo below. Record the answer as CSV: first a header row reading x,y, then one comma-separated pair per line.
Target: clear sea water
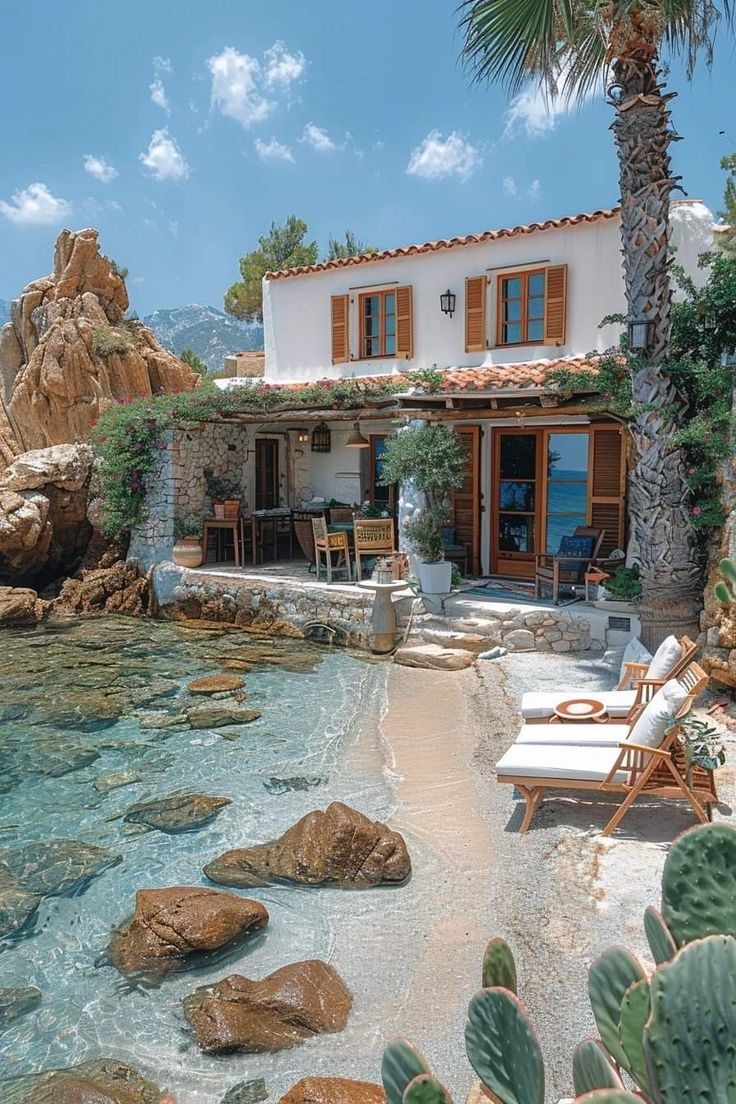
x,y
88,685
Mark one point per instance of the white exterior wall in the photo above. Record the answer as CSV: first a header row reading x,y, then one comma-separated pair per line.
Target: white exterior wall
x,y
296,309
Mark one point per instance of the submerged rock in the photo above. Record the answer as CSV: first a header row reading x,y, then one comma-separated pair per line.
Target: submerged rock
x,y
247,1092
15,1003
171,925
178,813
114,780
17,906
285,1008
296,783
216,684
103,1082
337,847
219,716
333,1090
53,867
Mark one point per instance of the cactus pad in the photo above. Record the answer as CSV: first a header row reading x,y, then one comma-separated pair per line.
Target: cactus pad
x,y
592,1069
502,1048
634,1015
425,1090
401,1064
659,937
608,979
699,883
608,1096
499,968
690,1039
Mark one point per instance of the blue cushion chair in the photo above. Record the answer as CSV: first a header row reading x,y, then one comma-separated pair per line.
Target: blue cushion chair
x,y
452,550
576,555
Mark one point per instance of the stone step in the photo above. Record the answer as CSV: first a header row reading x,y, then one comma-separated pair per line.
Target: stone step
x,y
434,656
469,642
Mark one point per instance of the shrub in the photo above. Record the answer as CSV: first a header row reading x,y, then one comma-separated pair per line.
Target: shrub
x,y
109,340
624,585
221,488
424,530
188,526
195,363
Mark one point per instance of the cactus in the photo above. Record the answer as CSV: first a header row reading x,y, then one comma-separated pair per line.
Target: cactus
x,y
425,1090
725,592
689,1039
609,977
635,1010
400,1066
592,1069
502,1048
608,1096
699,883
659,937
499,968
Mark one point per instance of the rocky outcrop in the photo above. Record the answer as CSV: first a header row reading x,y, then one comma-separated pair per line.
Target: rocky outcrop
x,y
119,588
333,1090
216,684
20,606
171,926
102,1082
337,847
180,813
285,1008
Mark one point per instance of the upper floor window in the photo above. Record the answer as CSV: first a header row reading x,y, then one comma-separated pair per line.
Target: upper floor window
x,y
378,324
521,299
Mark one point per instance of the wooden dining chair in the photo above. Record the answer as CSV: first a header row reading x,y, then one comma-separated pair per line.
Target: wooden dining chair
x,y
328,544
372,537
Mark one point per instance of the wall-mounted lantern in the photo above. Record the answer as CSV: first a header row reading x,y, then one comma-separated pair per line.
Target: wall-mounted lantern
x,y
321,438
356,438
302,436
447,302
640,335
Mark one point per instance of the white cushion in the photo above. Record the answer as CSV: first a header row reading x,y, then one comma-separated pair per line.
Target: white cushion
x,y
579,734
634,652
649,730
556,761
666,656
537,703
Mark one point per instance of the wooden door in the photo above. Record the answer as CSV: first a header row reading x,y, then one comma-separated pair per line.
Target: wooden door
x,y
467,500
517,501
608,485
267,473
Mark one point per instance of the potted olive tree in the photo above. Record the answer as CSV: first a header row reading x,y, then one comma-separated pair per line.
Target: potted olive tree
x,y
431,457
187,551
224,491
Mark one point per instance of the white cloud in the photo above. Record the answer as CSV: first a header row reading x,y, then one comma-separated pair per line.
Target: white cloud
x,y
99,168
534,190
161,65
158,95
163,158
436,157
173,228
236,80
509,186
318,138
537,113
273,151
281,68
35,206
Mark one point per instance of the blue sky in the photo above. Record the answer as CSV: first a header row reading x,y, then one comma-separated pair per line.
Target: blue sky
x,y
182,129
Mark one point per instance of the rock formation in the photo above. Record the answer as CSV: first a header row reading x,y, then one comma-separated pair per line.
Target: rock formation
x,y
285,1008
333,1090
169,926
111,588
19,606
179,813
337,847
102,1082
15,1003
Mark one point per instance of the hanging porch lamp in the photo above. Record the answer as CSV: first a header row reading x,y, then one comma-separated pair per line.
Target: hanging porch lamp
x,y
356,438
321,438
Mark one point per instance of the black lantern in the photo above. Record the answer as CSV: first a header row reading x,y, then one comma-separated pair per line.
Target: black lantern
x,y
447,302
321,438
640,335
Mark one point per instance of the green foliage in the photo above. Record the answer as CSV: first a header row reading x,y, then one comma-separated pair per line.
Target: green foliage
x,y
592,1068
624,584
283,247
426,379
339,249
426,1090
221,488
499,968
118,270
195,363
659,937
727,239
699,883
725,592
424,531
189,526
111,339
400,1065
608,1096
609,977
503,1049
635,1010
432,457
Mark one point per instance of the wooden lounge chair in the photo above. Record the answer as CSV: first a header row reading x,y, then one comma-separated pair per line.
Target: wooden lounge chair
x,y
568,567
328,545
631,769
372,537
638,684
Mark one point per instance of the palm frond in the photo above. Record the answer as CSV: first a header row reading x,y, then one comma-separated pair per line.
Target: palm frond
x,y
690,27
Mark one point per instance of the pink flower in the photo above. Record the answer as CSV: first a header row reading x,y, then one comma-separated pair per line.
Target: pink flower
x,y
696,511
691,471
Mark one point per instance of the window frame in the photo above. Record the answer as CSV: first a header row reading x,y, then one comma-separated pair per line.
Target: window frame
x,y
363,337
524,275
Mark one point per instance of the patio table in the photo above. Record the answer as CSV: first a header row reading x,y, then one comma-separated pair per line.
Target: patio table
x,y
260,522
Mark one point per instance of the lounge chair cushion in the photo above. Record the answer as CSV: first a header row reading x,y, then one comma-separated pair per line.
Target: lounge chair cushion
x,y
579,734
634,652
555,761
664,659
537,703
649,730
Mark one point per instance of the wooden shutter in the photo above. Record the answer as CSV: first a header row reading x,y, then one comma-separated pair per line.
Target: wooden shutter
x,y
608,485
475,313
404,322
555,306
466,502
340,305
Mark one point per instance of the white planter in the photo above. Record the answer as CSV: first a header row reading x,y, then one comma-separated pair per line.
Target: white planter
x,y
435,578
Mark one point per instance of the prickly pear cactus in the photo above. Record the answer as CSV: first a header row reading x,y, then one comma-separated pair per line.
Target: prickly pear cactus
x,y
499,968
608,979
659,936
425,1090
634,1014
592,1069
502,1048
690,1039
401,1064
725,592
699,883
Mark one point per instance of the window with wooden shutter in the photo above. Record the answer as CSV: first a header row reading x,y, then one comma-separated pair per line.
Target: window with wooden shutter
x,y
608,485
340,306
555,305
475,313
404,322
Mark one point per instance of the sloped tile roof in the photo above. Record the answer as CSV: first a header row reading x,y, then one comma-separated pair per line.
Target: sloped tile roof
x,y
530,375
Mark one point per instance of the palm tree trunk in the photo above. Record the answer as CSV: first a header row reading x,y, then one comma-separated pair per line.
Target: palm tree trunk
x,y
658,510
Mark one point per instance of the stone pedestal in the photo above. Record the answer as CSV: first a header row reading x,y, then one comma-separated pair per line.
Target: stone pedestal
x,y
383,639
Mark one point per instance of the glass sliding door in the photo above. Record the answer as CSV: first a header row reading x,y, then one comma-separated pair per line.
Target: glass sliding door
x,y
516,502
567,486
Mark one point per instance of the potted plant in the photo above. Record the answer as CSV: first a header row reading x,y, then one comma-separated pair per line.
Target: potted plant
x,y
433,459
187,551
224,492
621,591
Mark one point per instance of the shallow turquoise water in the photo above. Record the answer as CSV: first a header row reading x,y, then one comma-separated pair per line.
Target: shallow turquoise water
x,y
80,687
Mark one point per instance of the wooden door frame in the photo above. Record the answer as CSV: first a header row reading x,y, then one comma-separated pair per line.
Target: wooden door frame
x,y
274,442
475,433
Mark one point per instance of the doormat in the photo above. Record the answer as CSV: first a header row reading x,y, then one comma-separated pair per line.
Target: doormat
x,y
516,593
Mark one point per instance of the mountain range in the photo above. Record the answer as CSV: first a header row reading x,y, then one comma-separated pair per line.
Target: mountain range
x,y
208,332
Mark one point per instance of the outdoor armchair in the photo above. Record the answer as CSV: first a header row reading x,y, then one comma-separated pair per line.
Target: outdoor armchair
x,y
567,567
328,545
372,537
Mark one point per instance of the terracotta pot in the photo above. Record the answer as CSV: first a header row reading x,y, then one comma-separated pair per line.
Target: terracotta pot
x,y
219,509
232,507
188,552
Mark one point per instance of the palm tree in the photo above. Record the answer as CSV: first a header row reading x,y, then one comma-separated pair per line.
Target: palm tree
x,y
573,47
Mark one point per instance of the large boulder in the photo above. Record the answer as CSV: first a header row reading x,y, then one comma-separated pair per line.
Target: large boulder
x,y
285,1008
339,846
333,1090
102,1082
19,606
119,588
169,926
